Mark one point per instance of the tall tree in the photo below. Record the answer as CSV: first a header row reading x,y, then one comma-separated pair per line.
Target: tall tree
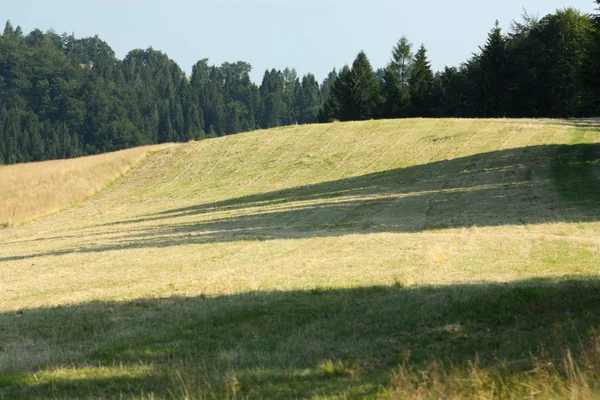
x,y
273,109
421,84
397,102
551,56
291,83
401,65
490,72
355,93
394,102
364,98
308,100
591,66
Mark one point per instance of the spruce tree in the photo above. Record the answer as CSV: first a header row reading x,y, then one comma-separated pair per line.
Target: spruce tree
x,y
490,73
355,93
364,89
327,85
398,104
421,81
9,31
309,100
335,106
401,65
390,91
401,61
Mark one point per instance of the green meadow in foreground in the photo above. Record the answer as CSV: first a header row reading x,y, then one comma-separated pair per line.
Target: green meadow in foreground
x,y
382,259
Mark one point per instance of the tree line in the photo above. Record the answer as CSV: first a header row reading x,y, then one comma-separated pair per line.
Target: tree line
x,y
62,97
546,67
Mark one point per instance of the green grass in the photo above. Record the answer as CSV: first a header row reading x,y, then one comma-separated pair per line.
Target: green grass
x,y
382,259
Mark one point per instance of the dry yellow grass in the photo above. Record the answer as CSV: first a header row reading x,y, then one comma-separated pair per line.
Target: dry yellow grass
x,y
29,191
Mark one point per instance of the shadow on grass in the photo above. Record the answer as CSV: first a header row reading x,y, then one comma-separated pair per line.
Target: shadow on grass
x,y
584,124
479,178
531,185
290,344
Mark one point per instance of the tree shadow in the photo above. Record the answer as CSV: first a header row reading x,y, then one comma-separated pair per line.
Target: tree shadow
x,y
530,185
273,344
483,174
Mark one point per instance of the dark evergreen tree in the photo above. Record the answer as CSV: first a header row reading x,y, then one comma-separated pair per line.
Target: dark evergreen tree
x,y
451,93
421,84
308,100
401,64
291,84
394,102
327,85
591,66
490,73
355,93
549,63
273,109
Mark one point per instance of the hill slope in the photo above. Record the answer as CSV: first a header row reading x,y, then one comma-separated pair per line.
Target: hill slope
x,y
307,261
29,191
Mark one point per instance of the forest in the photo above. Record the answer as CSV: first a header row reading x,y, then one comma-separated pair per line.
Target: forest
x,y
63,96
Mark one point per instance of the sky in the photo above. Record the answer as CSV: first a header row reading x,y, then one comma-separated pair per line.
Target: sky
x,y
309,35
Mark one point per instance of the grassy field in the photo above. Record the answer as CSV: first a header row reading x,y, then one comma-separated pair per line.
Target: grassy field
x,y
29,191
380,259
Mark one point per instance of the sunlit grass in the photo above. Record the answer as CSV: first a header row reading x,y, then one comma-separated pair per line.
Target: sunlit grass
x,y
326,261
29,191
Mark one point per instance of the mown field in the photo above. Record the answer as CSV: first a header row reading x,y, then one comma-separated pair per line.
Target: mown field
x,y
29,191
382,259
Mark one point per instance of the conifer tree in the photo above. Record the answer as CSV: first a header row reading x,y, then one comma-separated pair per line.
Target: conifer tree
x,y
490,73
309,100
355,93
364,89
400,64
390,91
421,81
327,85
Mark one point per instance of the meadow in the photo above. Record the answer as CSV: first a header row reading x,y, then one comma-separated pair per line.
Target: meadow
x,y
414,258
34,190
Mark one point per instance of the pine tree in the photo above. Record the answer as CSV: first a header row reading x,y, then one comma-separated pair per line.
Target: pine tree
x,y
401,62
398,99
421,81
591,66
272,108
9,31
365,89
355,93
309,100
490,73
390,91
335,106
327,85
288,95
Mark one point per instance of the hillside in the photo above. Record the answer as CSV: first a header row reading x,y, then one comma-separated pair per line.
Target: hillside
x,y
314,261
29,191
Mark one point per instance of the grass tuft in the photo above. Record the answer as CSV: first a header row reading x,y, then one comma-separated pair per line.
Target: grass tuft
x,y
542,377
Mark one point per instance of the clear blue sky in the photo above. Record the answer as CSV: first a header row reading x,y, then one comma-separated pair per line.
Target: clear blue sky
x,y
310,35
